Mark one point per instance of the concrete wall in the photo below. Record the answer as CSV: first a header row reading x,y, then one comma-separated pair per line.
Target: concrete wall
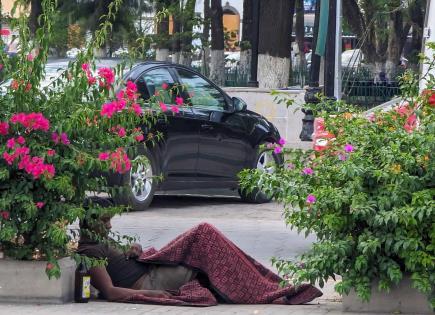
x,y
288,122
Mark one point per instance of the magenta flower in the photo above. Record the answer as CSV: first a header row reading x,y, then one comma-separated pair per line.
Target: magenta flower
x,y
64,138
21,140
10,143
175,109
40,204
85,67
121,132
163,107
311,199
308,171
277,150
139,137
179,100
4,128
51,152
348,148
165,86
30,57
281,141
104,156
137,109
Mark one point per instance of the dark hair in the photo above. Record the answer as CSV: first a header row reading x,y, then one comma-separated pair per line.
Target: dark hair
x,y
101,202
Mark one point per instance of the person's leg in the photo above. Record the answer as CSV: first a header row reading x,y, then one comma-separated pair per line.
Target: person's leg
x,y
162,277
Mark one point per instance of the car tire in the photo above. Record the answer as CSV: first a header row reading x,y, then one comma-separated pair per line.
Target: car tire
x,y
140,183
263,162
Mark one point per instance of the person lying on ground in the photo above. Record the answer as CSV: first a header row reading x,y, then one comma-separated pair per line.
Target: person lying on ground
x,y
199,267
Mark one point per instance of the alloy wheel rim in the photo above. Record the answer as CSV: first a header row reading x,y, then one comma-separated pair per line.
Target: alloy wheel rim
x,y
141,180
266,162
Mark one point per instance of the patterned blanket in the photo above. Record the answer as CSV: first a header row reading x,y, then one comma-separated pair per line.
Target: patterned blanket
x,y
233,276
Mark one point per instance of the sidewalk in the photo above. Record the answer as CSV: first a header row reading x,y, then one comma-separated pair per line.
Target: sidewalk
x,y
329,303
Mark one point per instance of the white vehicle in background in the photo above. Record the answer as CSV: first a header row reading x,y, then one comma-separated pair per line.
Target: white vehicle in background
x,y
73,52
120,52
232,59
351,58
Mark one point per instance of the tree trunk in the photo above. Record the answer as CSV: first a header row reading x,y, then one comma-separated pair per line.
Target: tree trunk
x,y
217,67
176,31
300,32
162,50
315,59
205,39
395,44
188,22
35,12
276,19
246,43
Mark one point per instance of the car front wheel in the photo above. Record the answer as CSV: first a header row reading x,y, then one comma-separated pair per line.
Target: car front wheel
x,y
266,161
140,183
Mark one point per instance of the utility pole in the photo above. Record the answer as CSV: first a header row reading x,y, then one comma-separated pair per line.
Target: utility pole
x,y
338,49
253,82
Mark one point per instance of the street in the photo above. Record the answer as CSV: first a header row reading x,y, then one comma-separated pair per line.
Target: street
x,y
257,229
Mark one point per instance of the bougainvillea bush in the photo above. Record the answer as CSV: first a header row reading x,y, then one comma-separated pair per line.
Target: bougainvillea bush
x,y
367,194
54,141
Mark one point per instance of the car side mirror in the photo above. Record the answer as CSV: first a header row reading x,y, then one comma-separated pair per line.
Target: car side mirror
x,y
239,104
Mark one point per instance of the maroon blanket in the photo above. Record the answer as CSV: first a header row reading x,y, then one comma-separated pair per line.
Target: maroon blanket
x,y
233,275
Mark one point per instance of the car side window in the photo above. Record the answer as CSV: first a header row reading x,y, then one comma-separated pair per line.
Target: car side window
x,y
157,82
201,93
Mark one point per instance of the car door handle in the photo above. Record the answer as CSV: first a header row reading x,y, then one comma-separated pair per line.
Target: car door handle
x,y
207,127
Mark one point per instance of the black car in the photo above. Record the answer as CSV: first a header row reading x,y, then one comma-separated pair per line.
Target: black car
x,y
205,145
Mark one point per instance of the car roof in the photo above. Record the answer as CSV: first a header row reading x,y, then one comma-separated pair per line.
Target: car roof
x,y
143,66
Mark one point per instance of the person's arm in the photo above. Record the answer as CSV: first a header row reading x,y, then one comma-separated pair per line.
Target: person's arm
x,y
100,279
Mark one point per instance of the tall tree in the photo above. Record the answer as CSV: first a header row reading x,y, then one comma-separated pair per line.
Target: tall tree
x,y
274,43
189,21
246,43
205,38
162,38
300,32
35,12
217,67
382,27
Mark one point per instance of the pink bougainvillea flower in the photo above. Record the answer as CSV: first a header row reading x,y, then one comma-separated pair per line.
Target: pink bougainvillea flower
x,y
10,143
131,86
137,109
121,132
21,140
4,128
270,145
308,171
9,158
175,109
55,137
163,107
410,123
277,150
51,152
49,266
311,199
5,32
21,151
64,138
40,204
348,148
165,86
119,161
32,121
103,156
91,80
139,137
179,100
14,85
107,77
371,117
281,141
120,95
85,67
108,109
5,215
30,57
